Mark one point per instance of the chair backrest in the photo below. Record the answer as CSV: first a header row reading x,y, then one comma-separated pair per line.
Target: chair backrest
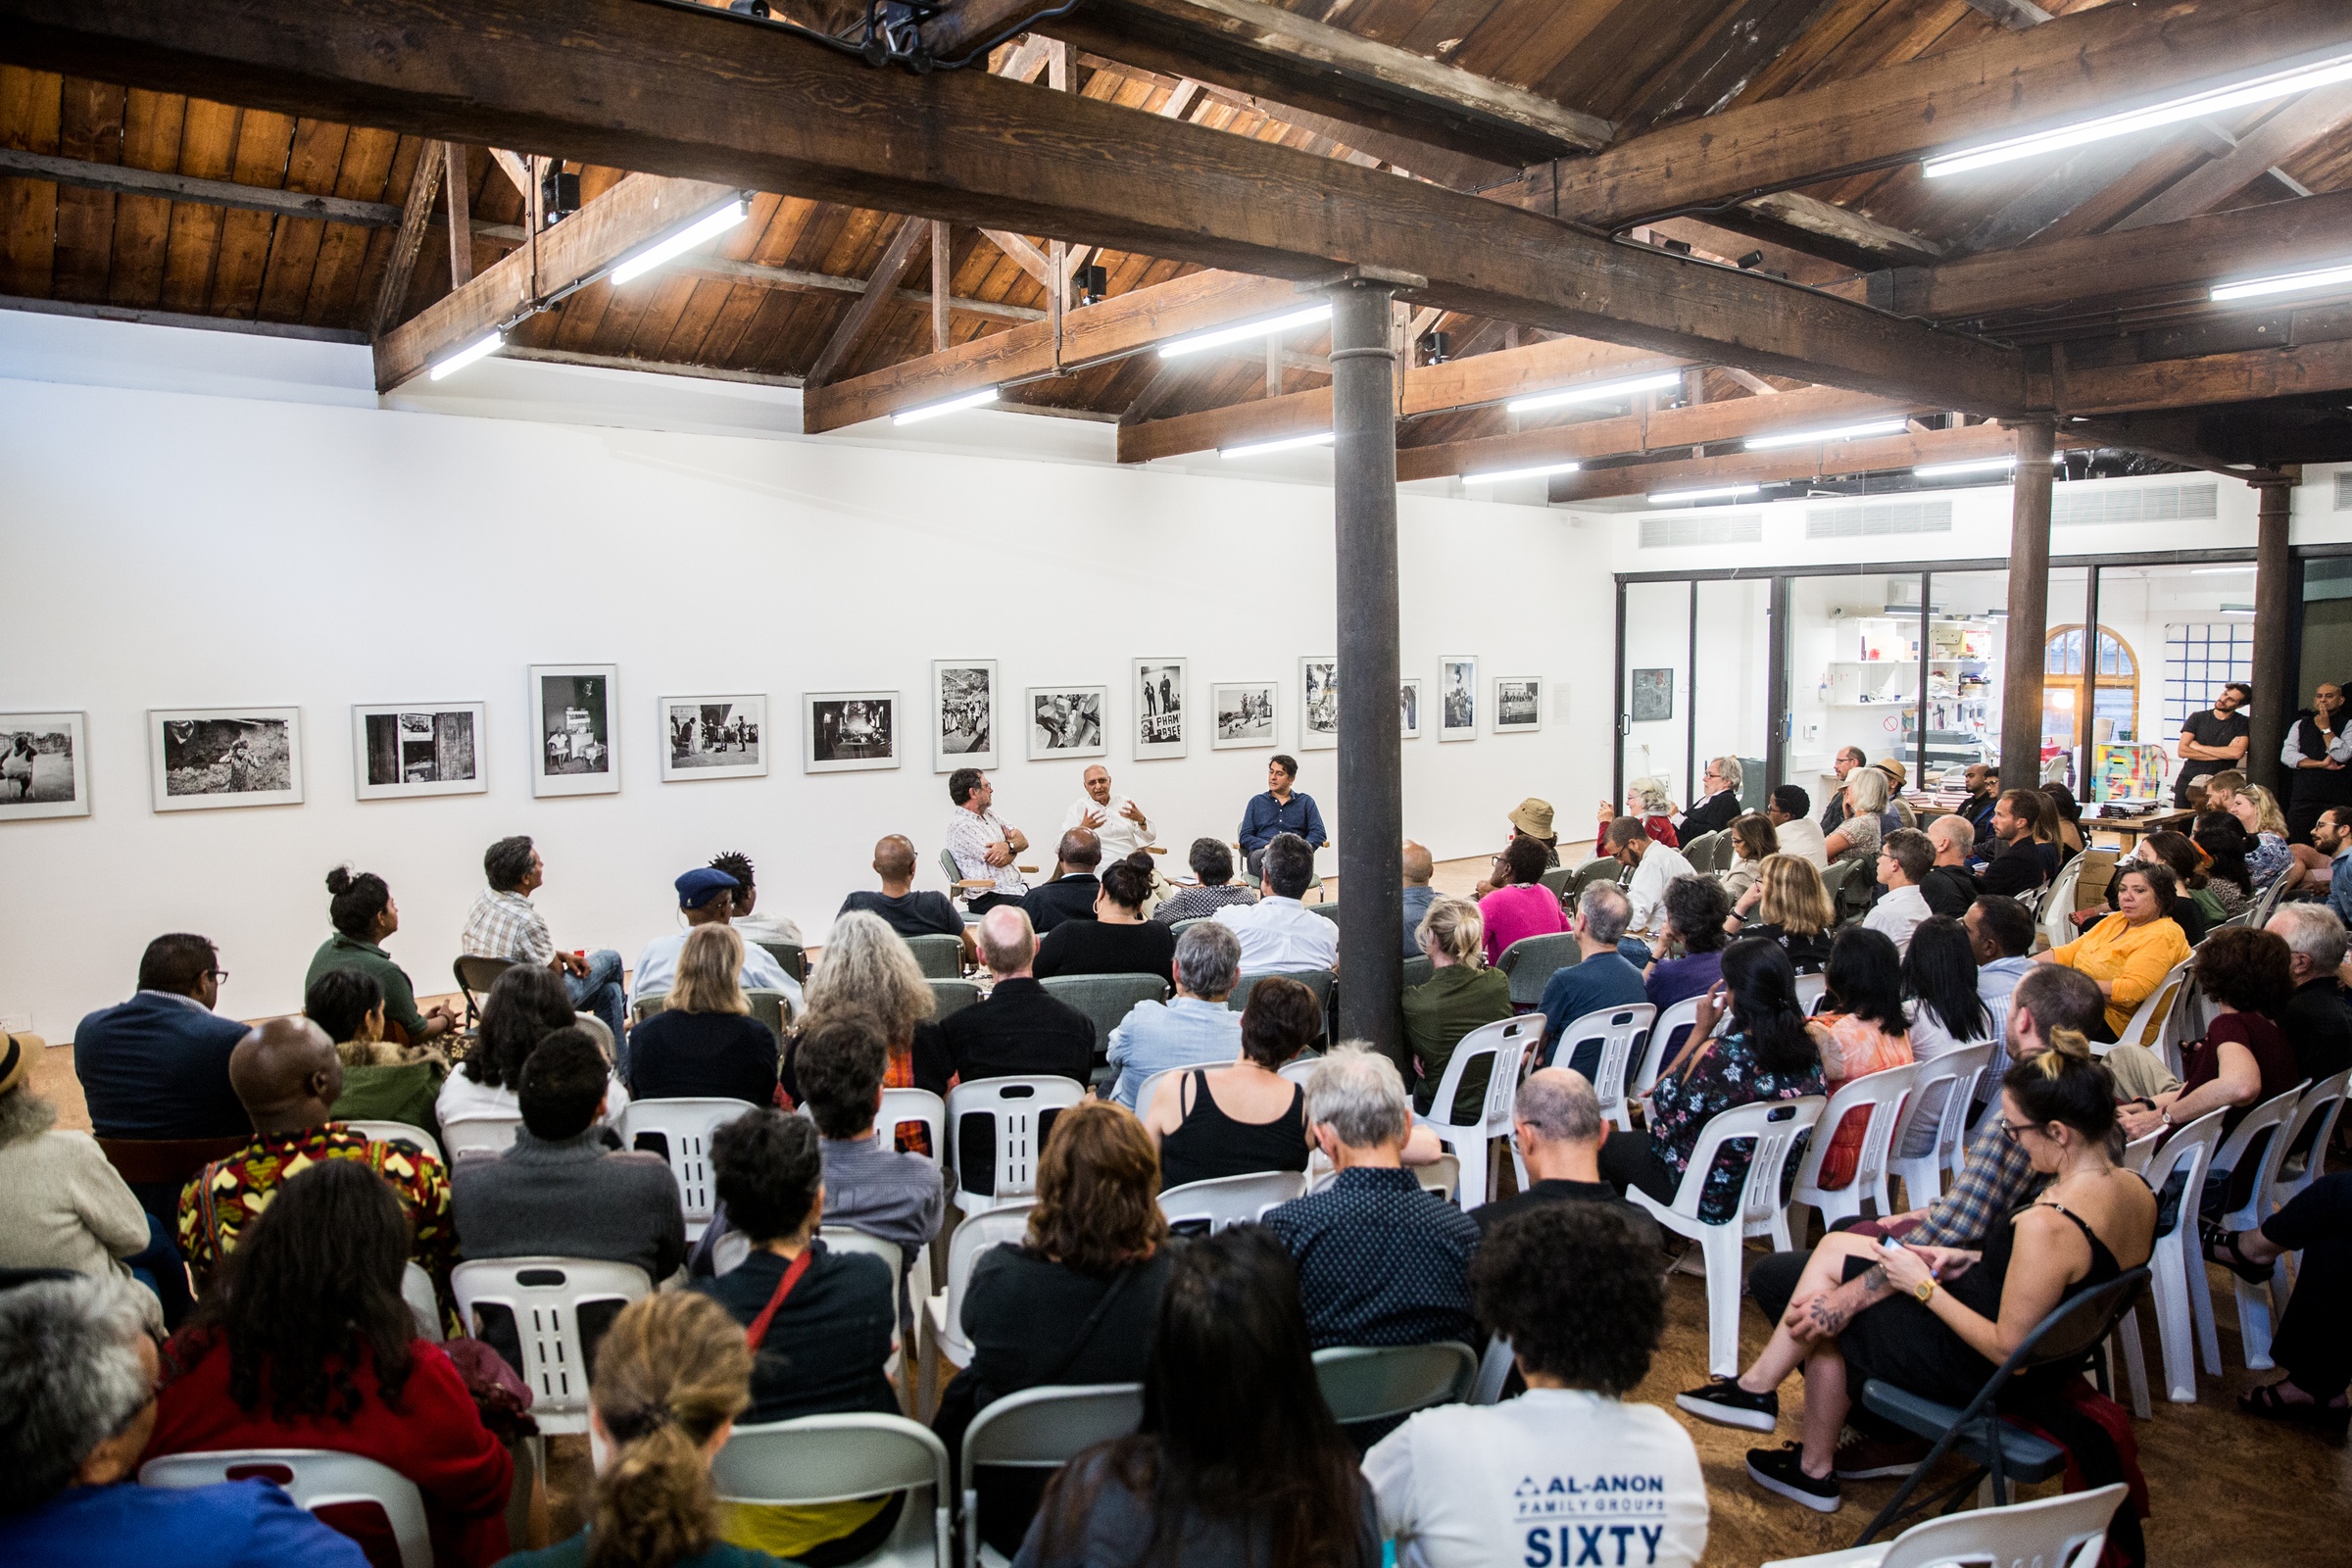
x,y
1810,989
472,1137
2149,1019
849,1239
1504,1044
941,957
1329,910
1592,871
1368,1382
835,1458
1942,1097
1177,928
1532,962
1442,1176
1882,1093
952,996
685,1126
1020,1107
954,874
2266,1121
1044,1428
1672,1027
645,1005
1316,980
159,1161
417,1294
2266,904
772,1008
2058,903
1106,999
2068,1531
1774,1124
382,1130
2189,1149
1002,1226
789,956
1493,1371
1419,970
1557,878
475,976
2074,1327
1230,1199
902,1105
1623,1033
1298,1069
2316,1114
546,1295
1700,852
315,1478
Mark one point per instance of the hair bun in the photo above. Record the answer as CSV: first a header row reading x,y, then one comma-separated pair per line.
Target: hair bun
x,y
2071,1046
338,881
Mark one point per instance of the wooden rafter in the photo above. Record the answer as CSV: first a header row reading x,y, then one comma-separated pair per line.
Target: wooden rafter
x,y
880,289
401,264
459,187
2310,119
128,179
1838,458
2250,377
517,171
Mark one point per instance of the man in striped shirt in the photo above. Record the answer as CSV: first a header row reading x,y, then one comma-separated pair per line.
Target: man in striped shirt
x,y
503,924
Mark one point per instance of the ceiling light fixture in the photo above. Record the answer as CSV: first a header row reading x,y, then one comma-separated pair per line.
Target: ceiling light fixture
x,y
1843,432
2171,112
1593,392
1504,475
709,225
1270,327
2220,572
932,411
2284,283
479,348
1321,439
1950,470
1726,492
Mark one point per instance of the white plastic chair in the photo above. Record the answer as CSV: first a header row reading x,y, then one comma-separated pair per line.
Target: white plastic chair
x,y
1810,989
380,1131
1674,1024
1230,1199
1942,1100
1494,1372
2056,915
1018,1107
315,1478
943,1310
1884,1094
1774,1125
2177,1255
1297,1070
417,1294
834,1459
685,1126
1039,1429
1623,1033
1373,1383
545,1295
1503,1044
2068,1531
2253,1308
902,1105
2152,1018
474,1137
2320,1105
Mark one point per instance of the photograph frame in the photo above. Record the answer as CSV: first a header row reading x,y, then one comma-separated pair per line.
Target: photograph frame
x,y
1457,676
1175,679
1503,726
1270,690
160,742
1325,670
811,763
1047,753
754,707
75,724
1408,714
984,758
1651,696
604,780
402,789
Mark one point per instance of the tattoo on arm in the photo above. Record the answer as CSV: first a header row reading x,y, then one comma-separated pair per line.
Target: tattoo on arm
x,y
1874,1283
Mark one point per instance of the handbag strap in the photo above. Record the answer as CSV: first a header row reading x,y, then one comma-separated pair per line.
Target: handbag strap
x,y
1093,1320
756,1330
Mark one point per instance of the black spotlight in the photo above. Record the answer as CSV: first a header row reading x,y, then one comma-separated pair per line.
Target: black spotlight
x,y
559,193
1094,284
1436,347
749,8
1754,259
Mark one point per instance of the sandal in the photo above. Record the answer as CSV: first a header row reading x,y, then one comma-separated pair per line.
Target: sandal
x,y
2223,1249
2262,1401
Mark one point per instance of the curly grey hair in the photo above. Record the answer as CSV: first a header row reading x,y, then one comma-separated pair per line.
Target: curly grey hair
x,y
866,964
70,1379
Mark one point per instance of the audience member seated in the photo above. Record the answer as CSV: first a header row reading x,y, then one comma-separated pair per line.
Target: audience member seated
x,y
1381,1261
864,966
1897,774
288,1075
2000,937
1417,868
896,1197
2332,836
2316,1019
2129,953
1718,804
1848,758
1018,1030
1071,894
1792,907
1905,856
1244,1118
1861,1029
363,916
1753,842
1558,1130
1789,811
1648,803
1575,1289
1983,781
381,1081
818,1323
503,924
524,1006
980,843
1117,823
2016,866
2193,902
1531,819
706,898
2316,1223
1653,865
1194,1029
2046,833
1856,835
752,928
1600,978
1462,993
1279,812
1212,864
78,1369
1951,887
1941,1002
1695,912
2225,844
562,1191
2257,812
1238,1460
704,1044
1118,940
305,1342
1277,932
1074,1303
2068,830
1521,906
157,1066
904,910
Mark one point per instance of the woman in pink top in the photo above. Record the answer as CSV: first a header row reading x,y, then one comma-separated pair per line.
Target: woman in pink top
x,y
1863,1031
1524,907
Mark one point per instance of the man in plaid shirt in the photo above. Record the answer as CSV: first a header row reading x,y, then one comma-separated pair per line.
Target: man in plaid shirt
x,y
503,924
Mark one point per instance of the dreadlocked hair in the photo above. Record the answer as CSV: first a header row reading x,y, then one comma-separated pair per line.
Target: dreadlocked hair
x,y
671,1371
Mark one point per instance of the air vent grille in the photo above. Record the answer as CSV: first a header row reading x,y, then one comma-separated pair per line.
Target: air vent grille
x,y
1878,517
2073,505
1706,528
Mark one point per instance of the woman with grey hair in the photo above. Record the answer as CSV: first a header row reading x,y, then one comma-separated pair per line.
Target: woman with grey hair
x,y
1857,837
866,967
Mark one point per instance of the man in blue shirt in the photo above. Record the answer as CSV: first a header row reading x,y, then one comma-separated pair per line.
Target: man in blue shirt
x,y
1194,1030
157,1066
1600,978
2332,834
1418,894
1278,810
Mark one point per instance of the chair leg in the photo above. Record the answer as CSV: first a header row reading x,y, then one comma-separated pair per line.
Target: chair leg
x,y
2253,1323
2176,1326
1471,1151
2135,1363
2200,1295
1719,1245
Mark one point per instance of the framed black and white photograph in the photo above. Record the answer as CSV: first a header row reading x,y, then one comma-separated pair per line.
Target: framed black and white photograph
x,y
403,750
577,722
1245,715
1457,698
1067,721
1318,704
713,737
204,758
1653,696
44,767
963,714
850,732
1518,703
1408,708
1158,686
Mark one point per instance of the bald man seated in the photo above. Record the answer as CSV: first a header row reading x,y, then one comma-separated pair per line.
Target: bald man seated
x,y
287,1075
1115,820
1071,894
1556,1119
1951,887
907,912
1019,1029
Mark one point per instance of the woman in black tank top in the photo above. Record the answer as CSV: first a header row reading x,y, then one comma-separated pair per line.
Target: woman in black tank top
x,y
1207,1144
1240,1119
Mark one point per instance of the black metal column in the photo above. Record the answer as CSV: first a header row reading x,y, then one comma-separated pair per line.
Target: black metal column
x,y
2275,588
2029,607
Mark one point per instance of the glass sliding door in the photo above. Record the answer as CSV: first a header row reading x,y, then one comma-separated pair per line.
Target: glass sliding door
x,y
1654,733
1854,653
1731,702
1968,650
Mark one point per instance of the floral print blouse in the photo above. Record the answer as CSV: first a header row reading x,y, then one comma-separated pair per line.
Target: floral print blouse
x,y
2268,857
1725,1076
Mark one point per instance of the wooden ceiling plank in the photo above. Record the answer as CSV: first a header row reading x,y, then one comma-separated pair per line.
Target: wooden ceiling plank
x,y
337,294
170,187
1838,458
392,294
206,148
313,163
2310,119
30,104
2254,375
90,129
264,140
881,292
152,125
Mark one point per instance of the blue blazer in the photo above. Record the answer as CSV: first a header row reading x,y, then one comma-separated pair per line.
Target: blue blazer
x,y
157,1066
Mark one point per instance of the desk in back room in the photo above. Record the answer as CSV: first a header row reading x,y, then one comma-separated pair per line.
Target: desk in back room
x,y
2126,832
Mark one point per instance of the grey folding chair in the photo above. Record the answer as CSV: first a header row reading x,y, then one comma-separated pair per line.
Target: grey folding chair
x,y
941,957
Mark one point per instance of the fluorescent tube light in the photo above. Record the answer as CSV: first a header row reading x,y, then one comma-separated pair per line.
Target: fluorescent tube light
x,y
477,349
1267,327
1593,392
2284,283
1843,432
1949,470
1501,475
1284,445
2220,572
2171,112
708,227
932,411
1726,492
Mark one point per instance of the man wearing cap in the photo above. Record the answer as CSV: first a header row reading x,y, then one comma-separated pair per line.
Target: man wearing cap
x,y
1531,819
1116,821
1718,804
1899,813
707,896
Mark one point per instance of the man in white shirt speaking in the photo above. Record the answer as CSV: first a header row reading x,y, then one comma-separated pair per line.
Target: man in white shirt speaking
x,y
1569,1472
1117,821
1278,931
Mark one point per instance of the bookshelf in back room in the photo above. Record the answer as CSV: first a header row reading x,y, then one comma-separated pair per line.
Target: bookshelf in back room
x,y
1866,690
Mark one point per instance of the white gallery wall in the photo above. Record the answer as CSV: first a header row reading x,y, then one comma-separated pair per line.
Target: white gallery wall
x,y
277,539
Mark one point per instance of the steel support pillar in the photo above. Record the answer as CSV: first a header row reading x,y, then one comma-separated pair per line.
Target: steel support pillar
x,y
2029,607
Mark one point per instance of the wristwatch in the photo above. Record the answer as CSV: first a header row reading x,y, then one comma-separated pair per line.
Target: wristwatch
x,y
1923,1289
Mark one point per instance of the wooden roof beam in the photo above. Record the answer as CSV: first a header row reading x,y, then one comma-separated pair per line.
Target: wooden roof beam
x,y
2251,376
400,265
1836,459
880,292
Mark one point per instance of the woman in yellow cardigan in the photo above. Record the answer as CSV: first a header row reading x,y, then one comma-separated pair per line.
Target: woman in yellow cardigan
x,y
2129,953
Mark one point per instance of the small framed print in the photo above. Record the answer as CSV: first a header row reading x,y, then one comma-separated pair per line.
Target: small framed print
x,y
1408,708
1244,714
1518,703
1067,721
1319,704
1457,698
403,750
713,737
44,767
1653,696
963,714
205,758
574,716
1158,686
850,732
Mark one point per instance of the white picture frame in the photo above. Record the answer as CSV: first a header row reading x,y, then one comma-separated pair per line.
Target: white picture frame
x,y
1408,708
1160,689
851,732
44,766
408,751
212,759
709,737
576,729
1457,696
963,714
1518,705
1067,721
1244,714
1320,702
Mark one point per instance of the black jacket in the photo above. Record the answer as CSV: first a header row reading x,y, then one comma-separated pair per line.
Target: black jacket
x,y
1066,898
1710,815
1020,1030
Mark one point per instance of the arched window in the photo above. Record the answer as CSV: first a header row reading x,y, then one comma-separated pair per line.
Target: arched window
x,y
2115,683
